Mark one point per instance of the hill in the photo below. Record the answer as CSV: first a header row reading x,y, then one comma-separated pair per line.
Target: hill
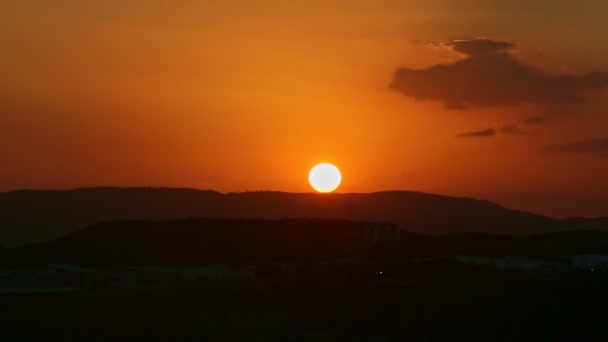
x,y
191,242
33,216
195,242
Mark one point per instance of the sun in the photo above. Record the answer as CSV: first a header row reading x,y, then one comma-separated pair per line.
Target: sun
x,y
325,177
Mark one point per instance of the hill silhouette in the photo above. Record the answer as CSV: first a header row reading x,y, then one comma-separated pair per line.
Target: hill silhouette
x,y
196,242
190,242
29,216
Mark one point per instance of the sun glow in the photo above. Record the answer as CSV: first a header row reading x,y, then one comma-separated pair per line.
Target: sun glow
x,y
325,178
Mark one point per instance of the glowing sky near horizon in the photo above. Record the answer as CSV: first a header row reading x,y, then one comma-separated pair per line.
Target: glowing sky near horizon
x,y
238,95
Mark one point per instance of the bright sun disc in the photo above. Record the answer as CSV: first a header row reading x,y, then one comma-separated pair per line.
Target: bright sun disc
x,y
325,177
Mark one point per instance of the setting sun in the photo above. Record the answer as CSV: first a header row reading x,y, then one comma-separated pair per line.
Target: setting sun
x,y
325,178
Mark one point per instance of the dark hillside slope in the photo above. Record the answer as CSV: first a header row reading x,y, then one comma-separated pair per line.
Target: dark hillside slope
x,y
34,216
192,242
196,242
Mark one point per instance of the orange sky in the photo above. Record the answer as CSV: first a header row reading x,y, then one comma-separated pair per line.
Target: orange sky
x,y
241,95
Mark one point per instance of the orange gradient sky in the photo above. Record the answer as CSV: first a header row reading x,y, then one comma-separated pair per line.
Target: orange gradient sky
x,y
239,95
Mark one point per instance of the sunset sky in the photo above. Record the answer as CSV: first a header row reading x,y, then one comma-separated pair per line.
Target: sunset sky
x,y
493,99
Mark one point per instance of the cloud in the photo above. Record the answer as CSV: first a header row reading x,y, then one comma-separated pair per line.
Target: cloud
x,y
486,133
508,128
593,146
536,121
479,47
490,75
512,129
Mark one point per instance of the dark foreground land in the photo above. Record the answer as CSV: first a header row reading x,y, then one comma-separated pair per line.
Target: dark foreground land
x,y
302,280
441,302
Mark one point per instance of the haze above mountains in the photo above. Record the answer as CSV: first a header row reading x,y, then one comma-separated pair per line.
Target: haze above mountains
x,y
31,216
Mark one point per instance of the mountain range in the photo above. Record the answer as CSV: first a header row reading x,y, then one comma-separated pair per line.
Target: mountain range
x,y
32,216
213,241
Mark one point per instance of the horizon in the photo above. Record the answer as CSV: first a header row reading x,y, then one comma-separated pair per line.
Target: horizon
x,y
336,193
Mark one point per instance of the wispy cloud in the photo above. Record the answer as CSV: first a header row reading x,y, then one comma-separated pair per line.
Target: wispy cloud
x,y
592,146
513,129
486,133
536,121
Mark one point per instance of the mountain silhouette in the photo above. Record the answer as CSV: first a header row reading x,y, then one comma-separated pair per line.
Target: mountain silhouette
x,y
29,216
196,241
207,241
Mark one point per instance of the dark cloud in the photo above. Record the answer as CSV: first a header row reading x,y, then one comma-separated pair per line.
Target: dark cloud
x,y
487,133
512,129
479,47
455,106
593,146
536,121
490,75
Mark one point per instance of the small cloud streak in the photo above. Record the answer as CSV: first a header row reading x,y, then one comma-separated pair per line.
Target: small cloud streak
x,y
593,146
486,133
536,121
479,46
490,75
513,129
